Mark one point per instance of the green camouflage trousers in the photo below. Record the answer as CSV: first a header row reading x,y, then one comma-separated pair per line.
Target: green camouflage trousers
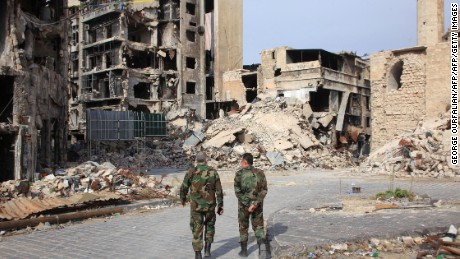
x,y
257,221
198,220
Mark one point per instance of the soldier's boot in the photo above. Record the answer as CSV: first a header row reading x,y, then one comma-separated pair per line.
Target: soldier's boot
x,y
244,249
263,253
198,255
207,249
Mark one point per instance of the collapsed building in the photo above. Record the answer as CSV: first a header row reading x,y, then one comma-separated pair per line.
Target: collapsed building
x,y
335,89
411,84
411,102
154,56
33,76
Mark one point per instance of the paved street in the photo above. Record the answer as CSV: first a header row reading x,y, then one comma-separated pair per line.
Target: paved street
x,y
166,234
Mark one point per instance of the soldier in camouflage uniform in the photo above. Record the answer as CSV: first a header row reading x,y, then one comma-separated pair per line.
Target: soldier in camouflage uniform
x,y
204,184
250,189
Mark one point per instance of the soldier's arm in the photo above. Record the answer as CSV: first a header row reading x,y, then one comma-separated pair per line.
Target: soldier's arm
x,y
185,185
219,192
237,185
262,192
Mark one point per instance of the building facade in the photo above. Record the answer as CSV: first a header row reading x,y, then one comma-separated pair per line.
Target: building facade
x,y
33,76
411,84
148,56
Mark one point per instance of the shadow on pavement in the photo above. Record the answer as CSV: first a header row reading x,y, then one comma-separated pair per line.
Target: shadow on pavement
x,y
275,230
227,246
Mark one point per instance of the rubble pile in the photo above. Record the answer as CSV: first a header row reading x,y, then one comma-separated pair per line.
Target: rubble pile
x,y
159,153
278,135
445,245
424,153
89,177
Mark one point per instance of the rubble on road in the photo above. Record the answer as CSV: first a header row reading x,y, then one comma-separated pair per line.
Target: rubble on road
x,y
430,246
422,153
88,177
278,136
442,246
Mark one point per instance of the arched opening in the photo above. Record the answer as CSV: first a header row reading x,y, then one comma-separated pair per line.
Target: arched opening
x,y
394,79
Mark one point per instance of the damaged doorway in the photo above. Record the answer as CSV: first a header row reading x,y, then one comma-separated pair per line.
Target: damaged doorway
x,y
319,100
7,156
6,99
250,83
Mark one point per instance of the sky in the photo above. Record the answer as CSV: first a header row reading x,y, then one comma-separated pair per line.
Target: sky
x,y
361,26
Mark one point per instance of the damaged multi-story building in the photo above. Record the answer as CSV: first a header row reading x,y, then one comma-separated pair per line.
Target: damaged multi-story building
x,y
33,76
412,84
150,56
334,88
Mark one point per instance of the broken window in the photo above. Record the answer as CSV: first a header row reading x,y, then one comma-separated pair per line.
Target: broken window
x,y
142,91
170,62
209,61
297,55
167,89
190,8
73,65
102,56
209,5
327,59
170,9
319,100
6,98
213,108
140,59
394,80
139,33
191,35
47,10
278,72
354,106
250,82
209,88
7,155
191,63
191,87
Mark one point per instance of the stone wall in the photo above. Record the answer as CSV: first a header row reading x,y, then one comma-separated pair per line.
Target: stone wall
x,y
430,21
395,111
437,79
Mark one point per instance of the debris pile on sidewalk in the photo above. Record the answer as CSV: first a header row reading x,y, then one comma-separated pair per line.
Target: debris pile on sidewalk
x,y
88,177
424,152
279,136
445,245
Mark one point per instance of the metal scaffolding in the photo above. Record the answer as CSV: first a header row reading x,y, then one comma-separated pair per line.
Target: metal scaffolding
x,y
123,126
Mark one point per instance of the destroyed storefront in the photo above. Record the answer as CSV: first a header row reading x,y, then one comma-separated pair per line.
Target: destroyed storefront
x,y
334,90
33,74
150,57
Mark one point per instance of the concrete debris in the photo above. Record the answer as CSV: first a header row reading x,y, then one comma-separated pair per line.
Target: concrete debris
x,y
159,153
194,139
280,137
275,158
421,153
88,177
223,138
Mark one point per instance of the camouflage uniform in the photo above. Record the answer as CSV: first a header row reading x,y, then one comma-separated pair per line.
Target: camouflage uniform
x,y
205,186
250,188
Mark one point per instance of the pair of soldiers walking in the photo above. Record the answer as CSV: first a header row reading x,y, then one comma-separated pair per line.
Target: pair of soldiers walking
x,y
206,195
